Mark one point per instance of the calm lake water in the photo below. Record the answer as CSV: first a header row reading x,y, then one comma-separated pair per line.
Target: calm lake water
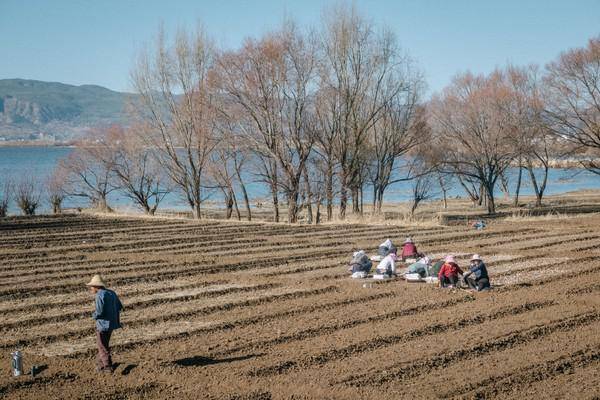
x,y
16,162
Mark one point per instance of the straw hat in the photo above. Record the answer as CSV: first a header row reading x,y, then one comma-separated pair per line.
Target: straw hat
x,y
476,257
96,281
450,259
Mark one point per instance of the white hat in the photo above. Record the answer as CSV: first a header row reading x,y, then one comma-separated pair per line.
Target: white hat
x,y
387,243
96,281
450,259
475,257
408,240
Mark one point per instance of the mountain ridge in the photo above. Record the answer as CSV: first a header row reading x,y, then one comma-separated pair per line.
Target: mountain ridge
x,y
39,110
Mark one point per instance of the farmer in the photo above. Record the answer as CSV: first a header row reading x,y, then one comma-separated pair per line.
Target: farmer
x,y
387,266
409,249
360,266
479,224
108,307
386,248
477,278
448,275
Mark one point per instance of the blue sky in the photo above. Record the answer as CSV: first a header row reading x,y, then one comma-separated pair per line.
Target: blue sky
x,y
95,41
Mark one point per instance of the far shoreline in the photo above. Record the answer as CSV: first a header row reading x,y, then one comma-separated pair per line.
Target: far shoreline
x,y
35,143
572,164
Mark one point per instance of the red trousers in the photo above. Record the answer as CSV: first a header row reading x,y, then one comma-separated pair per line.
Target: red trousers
x,y
103,341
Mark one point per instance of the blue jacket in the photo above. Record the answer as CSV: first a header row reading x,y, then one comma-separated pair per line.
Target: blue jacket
x,y
108,307
480,271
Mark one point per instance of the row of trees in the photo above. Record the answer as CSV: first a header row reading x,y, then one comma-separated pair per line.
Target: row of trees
x,y
519,116
319,117
28,194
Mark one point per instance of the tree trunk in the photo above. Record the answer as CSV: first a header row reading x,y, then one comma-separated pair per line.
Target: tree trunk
x,y
518,188
309,210
196,211
413,207
329,191
355,201
444,190
362,203
504,186
379,199
343,194
274,189
102,204
318,212
56,207
538,189
542,187
292,200
245,194
235,205
491,205
374,203
229,205
472,193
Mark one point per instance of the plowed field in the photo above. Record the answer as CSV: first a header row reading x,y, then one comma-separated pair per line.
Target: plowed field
x,y
222,310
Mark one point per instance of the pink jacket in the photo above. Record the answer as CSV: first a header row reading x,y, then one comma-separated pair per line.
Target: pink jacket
x,y
409,249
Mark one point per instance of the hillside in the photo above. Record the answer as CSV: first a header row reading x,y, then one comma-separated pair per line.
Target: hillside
x,y
32,109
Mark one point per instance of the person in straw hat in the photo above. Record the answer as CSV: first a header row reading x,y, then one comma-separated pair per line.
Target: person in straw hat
x,y
477,278
108,308
448,274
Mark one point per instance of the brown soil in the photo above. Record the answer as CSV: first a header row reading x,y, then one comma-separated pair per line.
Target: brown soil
x,y
223,310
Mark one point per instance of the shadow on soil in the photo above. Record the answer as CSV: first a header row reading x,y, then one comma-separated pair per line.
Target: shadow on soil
x,y
200,361
128,369
38,369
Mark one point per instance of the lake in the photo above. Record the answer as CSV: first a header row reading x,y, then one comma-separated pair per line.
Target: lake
x,y
16,162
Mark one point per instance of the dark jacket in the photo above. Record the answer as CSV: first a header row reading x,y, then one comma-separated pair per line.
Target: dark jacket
x,y
480,271
108,307
361,263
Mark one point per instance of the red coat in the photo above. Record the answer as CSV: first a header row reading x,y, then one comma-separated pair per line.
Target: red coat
x,y
409,249
449,269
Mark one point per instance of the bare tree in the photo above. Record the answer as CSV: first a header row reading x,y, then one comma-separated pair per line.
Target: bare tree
x,y
28,195
357,65
6,194
444,180
473,128
232,154
55,189
223,171
177,105
272,81
326,133
88,172
137,173
421,189
535,146
400,131
573,98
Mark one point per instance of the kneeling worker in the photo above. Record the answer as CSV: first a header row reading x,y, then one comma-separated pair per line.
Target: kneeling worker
x,y
360,266
387,266
409,250
448,275
477,278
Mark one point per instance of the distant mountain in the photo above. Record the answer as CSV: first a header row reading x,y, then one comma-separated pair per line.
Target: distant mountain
x,y
33,110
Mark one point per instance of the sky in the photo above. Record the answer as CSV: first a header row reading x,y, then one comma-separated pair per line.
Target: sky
x,y
96,41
